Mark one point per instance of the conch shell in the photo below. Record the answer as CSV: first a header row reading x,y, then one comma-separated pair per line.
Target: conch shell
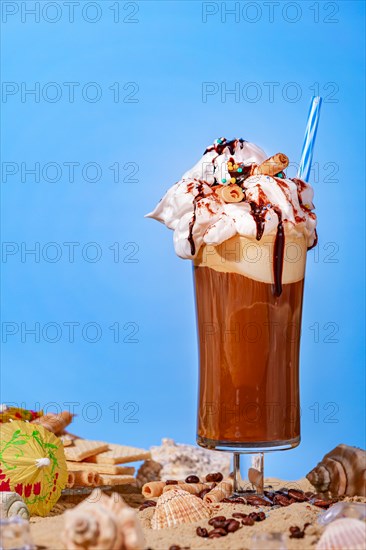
x,y
175,507
12,504
341,472
102,522
345,534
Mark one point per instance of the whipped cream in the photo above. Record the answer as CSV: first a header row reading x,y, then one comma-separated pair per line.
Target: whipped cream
x,y
195,210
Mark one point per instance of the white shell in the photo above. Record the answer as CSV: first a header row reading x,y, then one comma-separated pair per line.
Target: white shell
x,y
102,522
343,534
11,504
176,507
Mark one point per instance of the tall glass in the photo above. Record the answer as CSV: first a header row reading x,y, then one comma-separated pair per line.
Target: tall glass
x,y
249,341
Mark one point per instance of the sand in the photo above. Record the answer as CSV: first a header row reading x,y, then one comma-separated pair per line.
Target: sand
x,y
46,531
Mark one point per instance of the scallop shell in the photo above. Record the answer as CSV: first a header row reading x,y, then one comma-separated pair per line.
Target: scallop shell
x,y
102,522
12,504
344,534
176,507
341,472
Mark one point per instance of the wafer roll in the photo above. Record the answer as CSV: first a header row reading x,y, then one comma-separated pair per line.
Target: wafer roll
x,y
155,488
273,165
86,478
223,490
70,480
231,193
193,488
55,423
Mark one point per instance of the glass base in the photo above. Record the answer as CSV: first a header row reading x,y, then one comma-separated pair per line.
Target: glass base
x,y
257,447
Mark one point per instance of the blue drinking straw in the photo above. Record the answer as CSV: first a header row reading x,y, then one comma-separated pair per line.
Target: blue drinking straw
x,y
309,139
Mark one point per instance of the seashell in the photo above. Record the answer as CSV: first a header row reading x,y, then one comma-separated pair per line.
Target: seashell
x,y
148,471
343,534
176,507
341,472
55,422
102,522
355,510
12,504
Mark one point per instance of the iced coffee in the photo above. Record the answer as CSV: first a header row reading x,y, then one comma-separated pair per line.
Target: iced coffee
x,y
247,228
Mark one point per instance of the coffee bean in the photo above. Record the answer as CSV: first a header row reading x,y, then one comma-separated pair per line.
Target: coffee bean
x,y
239,515
216,524
281,500
214,477
321,503
202,532
296,532
256,500
216,518
297,535
213,485
257,516
192,479
213,535
232,526
219,531
204,492
174,547
171,482
248,521
297,495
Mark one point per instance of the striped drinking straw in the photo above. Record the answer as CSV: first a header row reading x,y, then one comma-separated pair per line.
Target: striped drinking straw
x,y
309,139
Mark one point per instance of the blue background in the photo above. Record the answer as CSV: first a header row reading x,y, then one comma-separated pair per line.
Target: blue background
x,y
169,52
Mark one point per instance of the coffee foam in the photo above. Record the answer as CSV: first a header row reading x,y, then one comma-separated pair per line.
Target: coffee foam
x,y
254,259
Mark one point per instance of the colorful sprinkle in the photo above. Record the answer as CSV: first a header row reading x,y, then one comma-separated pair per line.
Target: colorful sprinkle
x,y
219,141
240,170
233,180
279,175
235,166
223,180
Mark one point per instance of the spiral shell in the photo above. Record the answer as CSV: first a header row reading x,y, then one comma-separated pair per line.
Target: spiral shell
x,y
343,534
102,522
341,472
11,504
175,507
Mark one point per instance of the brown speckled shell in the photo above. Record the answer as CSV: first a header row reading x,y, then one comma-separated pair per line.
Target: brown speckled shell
x,y
341,472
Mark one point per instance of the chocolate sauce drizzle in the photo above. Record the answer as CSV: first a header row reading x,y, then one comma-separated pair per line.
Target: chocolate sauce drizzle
x,y
278,253
230,144
301,185
192,222
259,214
191,225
